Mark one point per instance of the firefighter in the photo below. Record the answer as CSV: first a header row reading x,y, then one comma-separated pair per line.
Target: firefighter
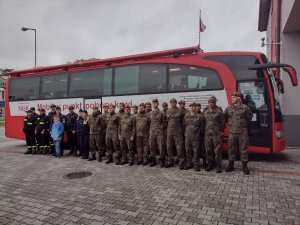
x,y
42,131
28,129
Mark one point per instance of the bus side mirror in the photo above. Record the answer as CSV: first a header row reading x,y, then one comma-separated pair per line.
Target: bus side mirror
x,y
280,85
292,73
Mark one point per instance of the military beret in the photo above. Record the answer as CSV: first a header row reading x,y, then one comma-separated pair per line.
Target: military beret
x,y
173,100
181,102
236,94
164,104
193,104
212,99
142,104
155,100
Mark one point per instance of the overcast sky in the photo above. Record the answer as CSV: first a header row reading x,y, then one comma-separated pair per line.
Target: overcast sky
x,y
73,29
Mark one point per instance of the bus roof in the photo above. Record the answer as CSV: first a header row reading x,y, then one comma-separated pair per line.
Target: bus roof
x,y
125,59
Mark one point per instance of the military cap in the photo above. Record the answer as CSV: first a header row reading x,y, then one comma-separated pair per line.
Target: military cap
x,y
212,99
236,94
80,110
173,100
32,108
164,104
142,104
155,100
127,106
193,104
71,107
42,110
181,102
84,111
135,107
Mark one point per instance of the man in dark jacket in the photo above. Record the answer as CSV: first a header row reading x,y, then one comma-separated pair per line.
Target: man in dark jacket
x,y
28,129
70,127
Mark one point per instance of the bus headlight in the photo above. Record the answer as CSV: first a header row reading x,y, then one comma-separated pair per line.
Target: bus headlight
x,y
279,133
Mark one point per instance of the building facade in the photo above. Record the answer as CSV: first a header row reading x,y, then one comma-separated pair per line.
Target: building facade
x,y
281,20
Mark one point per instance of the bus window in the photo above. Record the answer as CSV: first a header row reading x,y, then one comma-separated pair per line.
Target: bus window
x,y
152,79
25,88
54,86
127,80
189,78
90,83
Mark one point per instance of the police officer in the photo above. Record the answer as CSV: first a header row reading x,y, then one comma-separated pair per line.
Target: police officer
x,y
42,131
193,123
112,141
95,134
214,128
238,116
71,118
142,135
175,134
156,134
28,129
126,136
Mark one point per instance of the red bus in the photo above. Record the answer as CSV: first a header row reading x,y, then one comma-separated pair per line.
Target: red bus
x,y
186,74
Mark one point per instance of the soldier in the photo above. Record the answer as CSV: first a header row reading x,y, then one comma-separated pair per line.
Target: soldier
x,y
95,134
165,125
198,109
71,118
135,109
121,109
181,104
238,116
175,134
104,126
202,137
214,128
148,107
28,129
112,141
156,134
42,131
126,136
142,136
193,124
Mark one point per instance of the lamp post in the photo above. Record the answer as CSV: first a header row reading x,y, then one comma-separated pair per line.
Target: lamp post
x,y
26,29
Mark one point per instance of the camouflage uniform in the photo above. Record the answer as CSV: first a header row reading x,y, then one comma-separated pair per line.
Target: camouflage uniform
x,y
112,141
103,133
126,136
95,135
214,127
156,135
238,118
193,124
142,137
175,136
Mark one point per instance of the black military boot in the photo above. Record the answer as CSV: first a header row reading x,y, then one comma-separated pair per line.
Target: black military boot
x,y
245,168
162,163
118,162
109,160
153,161
188,167
219,169
197,168
92,158
230,166
28,151
169,164
75,152
99,159
209,166
33,151
204,165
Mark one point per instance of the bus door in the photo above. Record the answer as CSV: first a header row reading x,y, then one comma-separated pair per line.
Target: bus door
x,y
255,95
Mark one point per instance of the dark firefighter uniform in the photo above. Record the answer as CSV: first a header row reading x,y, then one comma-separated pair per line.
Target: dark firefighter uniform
x,y
42,131
29,129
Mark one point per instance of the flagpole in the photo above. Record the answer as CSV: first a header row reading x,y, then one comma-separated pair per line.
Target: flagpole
x,y
199,27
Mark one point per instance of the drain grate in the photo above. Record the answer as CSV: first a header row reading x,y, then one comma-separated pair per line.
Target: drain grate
x,y
78,175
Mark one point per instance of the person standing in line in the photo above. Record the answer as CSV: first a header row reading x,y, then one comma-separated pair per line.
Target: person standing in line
x,y
57,133
71,118
28,129
85,135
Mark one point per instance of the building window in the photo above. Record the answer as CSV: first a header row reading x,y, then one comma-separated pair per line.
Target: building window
x,y
25,88
54,86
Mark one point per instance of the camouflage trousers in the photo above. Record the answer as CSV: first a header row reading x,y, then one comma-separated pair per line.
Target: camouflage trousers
x,y
127,145
142,147
192,150
156,142
239,141
112,143
213,146
97,143
175,141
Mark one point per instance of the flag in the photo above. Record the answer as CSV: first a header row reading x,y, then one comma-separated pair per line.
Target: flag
x,y
202,27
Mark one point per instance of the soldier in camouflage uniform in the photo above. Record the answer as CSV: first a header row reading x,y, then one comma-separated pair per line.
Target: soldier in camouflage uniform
x,y
135,110
104,127
238,116
202,136
165,125
112,140
198,109
214,128
193,124
142,135
121,109
148,107
156,134
126,136
181,104
175,134
95,134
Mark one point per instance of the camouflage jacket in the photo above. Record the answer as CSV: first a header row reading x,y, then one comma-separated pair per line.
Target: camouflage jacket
x,y
104,121
175,121
214,121
193,124
113,123
156,122
95,123
142,124
127,126
238,118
